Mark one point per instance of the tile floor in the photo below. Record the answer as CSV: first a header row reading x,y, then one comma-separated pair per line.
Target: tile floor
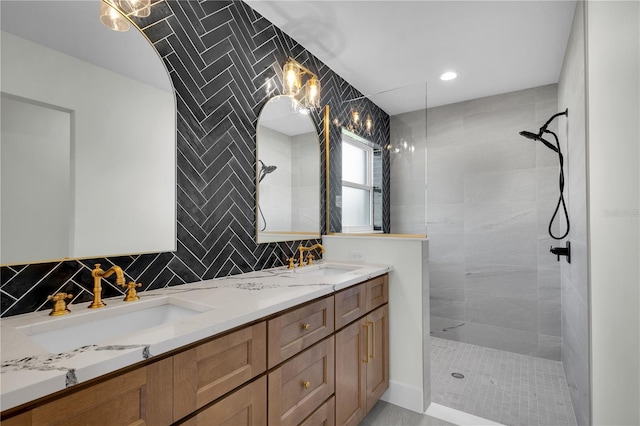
x,y
385,414
505,387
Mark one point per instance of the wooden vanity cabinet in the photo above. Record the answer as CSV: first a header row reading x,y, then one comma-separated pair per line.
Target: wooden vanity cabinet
x,y
289,369
362,353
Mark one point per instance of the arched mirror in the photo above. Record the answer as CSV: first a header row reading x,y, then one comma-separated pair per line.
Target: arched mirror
x,y
287,173
88,137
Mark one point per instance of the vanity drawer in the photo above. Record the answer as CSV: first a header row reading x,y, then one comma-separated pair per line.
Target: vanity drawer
x,y
377,292
139,397
208,371
302,384
296,330
324,415
245,407
351,304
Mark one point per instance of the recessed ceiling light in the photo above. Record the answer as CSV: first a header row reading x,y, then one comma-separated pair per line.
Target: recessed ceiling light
x,y
449,75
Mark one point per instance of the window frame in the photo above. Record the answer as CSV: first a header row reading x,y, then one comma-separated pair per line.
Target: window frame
x,y
364,145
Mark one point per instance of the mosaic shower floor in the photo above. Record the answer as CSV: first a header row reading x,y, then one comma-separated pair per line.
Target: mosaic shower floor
x,y
505,387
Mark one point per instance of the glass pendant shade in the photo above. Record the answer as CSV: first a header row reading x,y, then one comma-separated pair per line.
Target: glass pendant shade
x,y
312,94
111,18
291,79
368,124
139,8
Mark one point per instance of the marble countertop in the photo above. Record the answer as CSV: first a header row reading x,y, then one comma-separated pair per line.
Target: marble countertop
x,y
29,371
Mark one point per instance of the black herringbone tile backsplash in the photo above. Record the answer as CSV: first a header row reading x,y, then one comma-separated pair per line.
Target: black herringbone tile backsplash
x,y
219,55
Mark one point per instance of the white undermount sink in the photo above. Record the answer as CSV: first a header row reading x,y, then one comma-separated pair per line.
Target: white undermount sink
x,y
326,269
105,324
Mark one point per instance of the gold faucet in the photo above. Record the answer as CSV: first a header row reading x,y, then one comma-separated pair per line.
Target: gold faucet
x,y
59,304
302,249
97,275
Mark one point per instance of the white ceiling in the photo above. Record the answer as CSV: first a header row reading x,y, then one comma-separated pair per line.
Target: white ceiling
x,y
394,51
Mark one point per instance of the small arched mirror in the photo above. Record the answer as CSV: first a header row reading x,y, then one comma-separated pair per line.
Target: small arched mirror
x,y
287,173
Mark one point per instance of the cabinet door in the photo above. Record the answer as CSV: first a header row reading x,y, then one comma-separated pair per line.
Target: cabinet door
x,y
299,386
244,407
210,370
140,397
351,358
351,304
378,355
298,329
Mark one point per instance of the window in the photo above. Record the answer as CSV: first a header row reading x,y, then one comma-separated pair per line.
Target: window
x,y
357,184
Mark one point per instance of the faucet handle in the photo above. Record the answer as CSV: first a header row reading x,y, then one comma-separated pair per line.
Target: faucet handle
x,y
59,303
309,259
291,261
132,294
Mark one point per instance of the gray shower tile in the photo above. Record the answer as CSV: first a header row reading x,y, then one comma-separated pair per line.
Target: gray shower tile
x,y
499,187
547,183
550,317
446,275
548,347
448,328
447,247
500,311
498,152
516,246
506,101
448,303
502,218
482,281
445,219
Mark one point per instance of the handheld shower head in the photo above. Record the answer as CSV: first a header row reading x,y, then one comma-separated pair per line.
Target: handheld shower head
x,y
265,170
538,137
556,148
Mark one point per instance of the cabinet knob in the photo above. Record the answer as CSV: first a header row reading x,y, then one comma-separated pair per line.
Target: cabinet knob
x,y
306,384
306,326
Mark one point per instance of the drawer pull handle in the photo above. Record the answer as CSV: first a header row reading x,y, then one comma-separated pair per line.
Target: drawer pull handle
x,y
373,339
366,356
306,384
306,326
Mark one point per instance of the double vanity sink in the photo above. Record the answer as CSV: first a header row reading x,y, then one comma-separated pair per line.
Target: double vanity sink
x,y
42,354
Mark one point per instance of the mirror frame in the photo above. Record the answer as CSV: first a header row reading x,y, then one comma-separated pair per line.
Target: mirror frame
x,y
288,235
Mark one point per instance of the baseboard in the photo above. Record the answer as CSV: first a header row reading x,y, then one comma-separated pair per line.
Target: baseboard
x,y
404,396
456,417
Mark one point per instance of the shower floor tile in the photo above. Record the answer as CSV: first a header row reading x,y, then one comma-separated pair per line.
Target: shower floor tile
x,y
505,387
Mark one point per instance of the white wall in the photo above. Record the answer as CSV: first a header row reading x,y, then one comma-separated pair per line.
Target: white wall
x,y
32,183
613,96
305,202
124,192
275,189
409,352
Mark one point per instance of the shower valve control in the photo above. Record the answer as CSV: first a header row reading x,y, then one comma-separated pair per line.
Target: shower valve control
x,y
562,251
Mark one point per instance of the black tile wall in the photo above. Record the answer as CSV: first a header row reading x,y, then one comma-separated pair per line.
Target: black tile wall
x,y
219,55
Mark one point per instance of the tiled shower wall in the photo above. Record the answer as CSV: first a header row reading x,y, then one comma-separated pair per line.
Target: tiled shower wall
x,y
490,195
575,282
219,54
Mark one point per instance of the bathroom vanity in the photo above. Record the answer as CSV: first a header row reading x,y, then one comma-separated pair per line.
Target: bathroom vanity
x,y
277,346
